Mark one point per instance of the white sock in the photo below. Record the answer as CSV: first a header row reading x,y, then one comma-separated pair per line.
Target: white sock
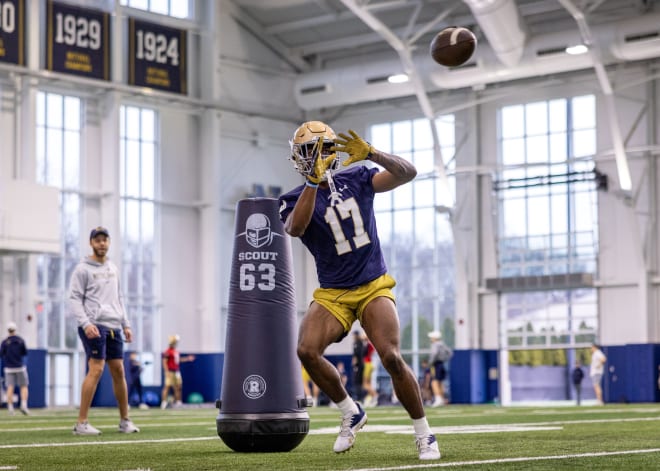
x,y
23,405
347,407
421,427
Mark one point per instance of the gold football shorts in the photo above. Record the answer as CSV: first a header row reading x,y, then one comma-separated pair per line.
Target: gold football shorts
x,y
173,378
347,305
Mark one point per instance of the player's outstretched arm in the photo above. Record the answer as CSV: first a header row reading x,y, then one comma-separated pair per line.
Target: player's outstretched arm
x,y
397,171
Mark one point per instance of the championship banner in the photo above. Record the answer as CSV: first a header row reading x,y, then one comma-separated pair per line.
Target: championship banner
x,y
157,56
78,41
12,31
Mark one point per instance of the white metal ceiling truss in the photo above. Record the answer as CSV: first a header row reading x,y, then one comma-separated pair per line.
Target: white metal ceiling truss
x,y
269,40
404,50
622,167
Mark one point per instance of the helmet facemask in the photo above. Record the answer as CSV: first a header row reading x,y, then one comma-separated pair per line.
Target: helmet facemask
x,y
312,140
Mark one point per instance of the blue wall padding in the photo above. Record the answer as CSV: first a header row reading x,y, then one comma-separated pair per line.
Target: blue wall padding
x,y
469,376
203,375
631,373
36,367
36,364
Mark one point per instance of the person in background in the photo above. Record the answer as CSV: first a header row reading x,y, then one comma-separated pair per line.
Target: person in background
x,y
439,356
596,371
172,371
96,301
357,364
135,380
371,396
425,382
333,214
341,369
577,375
312,391
13,352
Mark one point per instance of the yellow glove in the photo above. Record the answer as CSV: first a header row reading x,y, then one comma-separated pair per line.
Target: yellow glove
x,y
356,147
320,164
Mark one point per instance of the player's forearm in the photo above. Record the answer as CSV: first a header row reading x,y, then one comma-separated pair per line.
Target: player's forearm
x,y
300,217
397,166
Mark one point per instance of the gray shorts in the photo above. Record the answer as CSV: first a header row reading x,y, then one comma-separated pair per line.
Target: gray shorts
x,y
595,378
16,378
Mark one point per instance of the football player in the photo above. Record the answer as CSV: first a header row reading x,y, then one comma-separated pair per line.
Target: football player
x,y
333,214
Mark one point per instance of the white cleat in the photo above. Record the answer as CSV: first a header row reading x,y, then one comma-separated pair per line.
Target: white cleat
x,y
127,426
85,428
348,429
427,446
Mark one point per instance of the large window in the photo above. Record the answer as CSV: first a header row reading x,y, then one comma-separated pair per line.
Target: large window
x,y
58,133
547,215
138,166
415,231
175,8
547,219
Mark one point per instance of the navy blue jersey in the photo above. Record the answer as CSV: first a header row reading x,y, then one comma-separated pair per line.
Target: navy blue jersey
x,y
342,238
12,351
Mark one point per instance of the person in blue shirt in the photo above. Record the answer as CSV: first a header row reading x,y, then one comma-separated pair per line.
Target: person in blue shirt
x,y
13,351
333,215
134,380
577,375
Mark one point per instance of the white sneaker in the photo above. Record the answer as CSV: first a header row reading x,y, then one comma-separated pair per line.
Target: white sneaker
x,y
127,426
427,446
349,427
438,403
84,428
143,406
163,405
24,411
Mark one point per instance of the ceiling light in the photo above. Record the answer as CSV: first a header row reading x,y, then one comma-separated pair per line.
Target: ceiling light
x,y
398,78
575,50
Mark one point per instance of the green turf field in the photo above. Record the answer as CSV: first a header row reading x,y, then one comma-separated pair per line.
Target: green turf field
x,y
615,436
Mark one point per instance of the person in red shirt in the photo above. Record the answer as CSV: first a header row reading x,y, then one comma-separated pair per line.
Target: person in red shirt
x,y
371,398
172,372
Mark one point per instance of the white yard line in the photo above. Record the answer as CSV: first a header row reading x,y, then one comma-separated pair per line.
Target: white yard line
x,y
484,428
433,465
108,427
108,442
511,460
443,430
449,430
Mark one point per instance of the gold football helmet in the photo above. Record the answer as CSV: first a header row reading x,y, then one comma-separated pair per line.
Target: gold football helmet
x,y
305,146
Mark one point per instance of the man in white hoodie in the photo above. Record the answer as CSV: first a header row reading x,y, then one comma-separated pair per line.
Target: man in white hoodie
x,y
95,299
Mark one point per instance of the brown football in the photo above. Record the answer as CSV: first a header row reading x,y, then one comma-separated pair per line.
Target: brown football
x,y
453,46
